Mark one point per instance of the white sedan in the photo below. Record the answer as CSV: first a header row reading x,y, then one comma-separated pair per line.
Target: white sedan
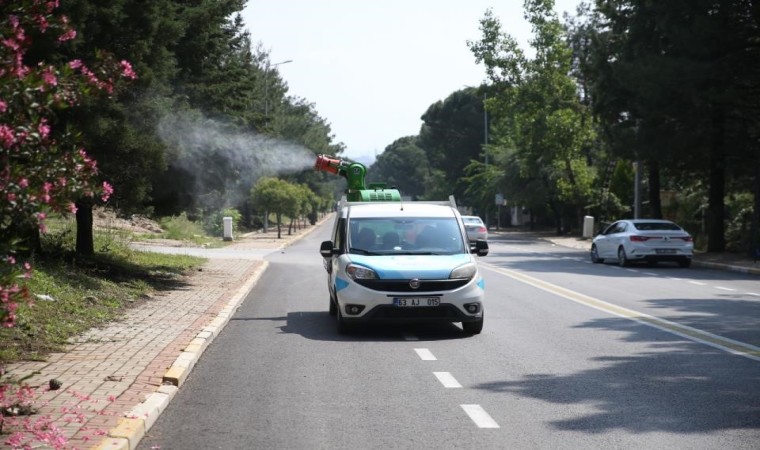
x,y
649,240
475,228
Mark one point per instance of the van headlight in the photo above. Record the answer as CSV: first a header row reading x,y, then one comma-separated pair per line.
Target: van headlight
x,y
357,272
465,271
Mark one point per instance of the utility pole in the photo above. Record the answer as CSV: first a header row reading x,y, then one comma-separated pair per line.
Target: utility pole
x,y
266,84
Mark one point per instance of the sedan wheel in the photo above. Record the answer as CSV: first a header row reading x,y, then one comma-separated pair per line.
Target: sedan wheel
x,y
595,255
622,258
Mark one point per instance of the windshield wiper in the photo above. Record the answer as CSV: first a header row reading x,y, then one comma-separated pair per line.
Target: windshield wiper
x,y
363,251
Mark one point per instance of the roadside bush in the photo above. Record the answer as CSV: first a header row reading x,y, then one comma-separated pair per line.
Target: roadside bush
x,y
180,227
213,224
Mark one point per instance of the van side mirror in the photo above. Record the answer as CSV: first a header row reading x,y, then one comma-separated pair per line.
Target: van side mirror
x,y
481,247
326,249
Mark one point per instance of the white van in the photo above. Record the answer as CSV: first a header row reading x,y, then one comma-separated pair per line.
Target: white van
x,y
403,261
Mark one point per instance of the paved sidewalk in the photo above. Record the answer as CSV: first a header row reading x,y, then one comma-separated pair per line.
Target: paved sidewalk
x,y
116,380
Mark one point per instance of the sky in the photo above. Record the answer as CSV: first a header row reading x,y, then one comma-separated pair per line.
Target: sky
x,y
373,67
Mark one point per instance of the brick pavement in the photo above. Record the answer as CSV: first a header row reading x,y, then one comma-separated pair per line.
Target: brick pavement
x,y
117,379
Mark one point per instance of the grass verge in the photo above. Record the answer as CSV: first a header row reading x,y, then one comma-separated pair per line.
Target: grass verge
x,y
71,294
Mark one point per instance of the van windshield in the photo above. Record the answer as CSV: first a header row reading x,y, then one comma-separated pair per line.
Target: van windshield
x,y
424,235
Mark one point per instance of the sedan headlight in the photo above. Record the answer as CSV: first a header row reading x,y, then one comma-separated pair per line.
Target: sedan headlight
x,y
465,271
357,272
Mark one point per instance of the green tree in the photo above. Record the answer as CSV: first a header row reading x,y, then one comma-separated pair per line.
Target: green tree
x,y
402,164
277,196
538,110
121,131
452,135
672,82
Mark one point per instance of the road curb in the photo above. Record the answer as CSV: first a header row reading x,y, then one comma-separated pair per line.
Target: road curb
x,y
729,267
132,428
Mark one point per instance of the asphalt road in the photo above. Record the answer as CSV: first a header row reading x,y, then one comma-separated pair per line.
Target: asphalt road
x,y
572,355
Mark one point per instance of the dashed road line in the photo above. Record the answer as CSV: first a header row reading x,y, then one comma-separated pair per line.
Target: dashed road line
x,y
697,283
752,293
724,288
447,380
425,354
479,415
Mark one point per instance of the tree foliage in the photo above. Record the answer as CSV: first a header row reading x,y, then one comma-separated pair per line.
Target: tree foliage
x,y
541,120
403,165
453,134
672,83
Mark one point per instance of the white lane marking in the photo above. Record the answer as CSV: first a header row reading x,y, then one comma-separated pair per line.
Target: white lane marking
x,y
724,288
752,293
447,380
674,278
651,274
409,337
722,343
479,416
425,354
697,283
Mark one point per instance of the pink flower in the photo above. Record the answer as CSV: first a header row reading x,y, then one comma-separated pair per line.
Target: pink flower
x,y
42,22
24,183
72,208
67,36
3,107
7,137
107,191
16,440
51,6
48,76
126,70
75,64
44,128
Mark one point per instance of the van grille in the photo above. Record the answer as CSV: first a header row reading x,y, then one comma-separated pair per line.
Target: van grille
x,y
403,285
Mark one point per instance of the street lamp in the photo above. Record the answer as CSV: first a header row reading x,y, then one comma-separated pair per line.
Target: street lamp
x,y
266,84
485,147
266,115
485,138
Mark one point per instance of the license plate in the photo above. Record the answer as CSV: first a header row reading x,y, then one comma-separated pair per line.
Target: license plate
x,y
414,302
665,251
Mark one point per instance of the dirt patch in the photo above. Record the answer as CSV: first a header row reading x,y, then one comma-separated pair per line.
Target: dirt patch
x,y
103,218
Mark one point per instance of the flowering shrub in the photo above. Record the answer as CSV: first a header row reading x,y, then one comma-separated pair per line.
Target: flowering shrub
x,y
42,169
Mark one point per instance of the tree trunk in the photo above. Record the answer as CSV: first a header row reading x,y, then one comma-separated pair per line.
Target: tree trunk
x,y
716,240
653,174
279,225
85,244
